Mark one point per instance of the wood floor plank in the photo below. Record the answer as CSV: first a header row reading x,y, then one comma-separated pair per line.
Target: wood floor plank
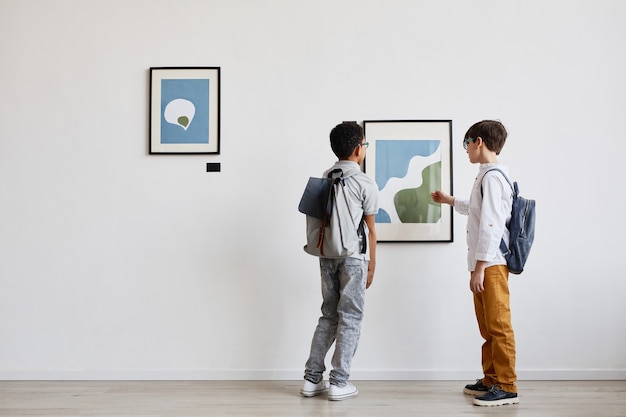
x,y
282,399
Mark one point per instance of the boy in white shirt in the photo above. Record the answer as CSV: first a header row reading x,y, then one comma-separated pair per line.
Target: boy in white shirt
x,y
489,211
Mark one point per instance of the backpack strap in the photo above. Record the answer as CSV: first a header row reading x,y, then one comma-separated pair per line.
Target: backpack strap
x,y
336,175
512,185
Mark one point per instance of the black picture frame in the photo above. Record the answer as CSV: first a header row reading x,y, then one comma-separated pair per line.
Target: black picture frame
x,y
409,159
184,110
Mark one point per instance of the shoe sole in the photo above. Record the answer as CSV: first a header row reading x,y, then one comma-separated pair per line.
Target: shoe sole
x,y
343,397
506,401
310,394
472,392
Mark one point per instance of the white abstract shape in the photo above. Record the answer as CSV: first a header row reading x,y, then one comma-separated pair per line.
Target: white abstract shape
x,y
179,112
413,179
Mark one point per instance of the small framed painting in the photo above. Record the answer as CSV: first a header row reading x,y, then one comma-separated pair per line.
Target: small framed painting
x,y
185,110
409,159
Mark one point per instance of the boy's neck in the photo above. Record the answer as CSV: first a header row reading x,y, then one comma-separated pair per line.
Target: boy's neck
x,y
488,158
351,158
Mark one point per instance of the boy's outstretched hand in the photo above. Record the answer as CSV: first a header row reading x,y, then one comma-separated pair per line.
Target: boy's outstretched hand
x,y
441,197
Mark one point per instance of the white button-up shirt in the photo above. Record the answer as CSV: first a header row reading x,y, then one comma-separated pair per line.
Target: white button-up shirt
x,y
488,216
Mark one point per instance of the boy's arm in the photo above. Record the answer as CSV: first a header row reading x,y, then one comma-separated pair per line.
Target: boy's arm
x,y
371,236
460,205
442,197
493,216
477,277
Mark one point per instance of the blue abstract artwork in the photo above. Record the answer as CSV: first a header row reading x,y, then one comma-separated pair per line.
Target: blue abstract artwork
x,y
185,111
407,171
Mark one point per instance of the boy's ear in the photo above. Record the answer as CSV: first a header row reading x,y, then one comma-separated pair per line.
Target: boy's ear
x,y
358,150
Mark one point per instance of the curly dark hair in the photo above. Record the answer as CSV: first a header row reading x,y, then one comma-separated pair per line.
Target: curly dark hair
x,y
492,132
344,138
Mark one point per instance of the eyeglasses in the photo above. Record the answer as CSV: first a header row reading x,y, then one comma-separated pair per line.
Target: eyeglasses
x,y
466,142
366,144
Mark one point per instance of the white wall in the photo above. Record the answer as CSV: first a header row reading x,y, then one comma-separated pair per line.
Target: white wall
x,y
118,264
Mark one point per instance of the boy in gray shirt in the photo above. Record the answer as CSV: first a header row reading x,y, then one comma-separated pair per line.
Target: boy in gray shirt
x,y
344,280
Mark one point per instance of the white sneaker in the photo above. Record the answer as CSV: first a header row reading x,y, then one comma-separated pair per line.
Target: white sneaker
x,y
310,389
342,393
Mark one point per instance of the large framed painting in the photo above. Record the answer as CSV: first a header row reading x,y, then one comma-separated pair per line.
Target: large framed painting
x,y
185,110
409,159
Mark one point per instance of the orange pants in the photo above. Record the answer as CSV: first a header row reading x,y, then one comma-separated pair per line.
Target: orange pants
x,y
493,312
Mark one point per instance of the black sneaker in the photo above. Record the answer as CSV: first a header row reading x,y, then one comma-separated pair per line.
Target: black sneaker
x,y
476,389
496,396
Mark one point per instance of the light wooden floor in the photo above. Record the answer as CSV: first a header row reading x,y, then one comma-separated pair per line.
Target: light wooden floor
x,y
281,398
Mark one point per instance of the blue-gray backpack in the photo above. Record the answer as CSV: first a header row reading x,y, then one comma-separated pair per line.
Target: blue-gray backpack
x,y
521,229
331,229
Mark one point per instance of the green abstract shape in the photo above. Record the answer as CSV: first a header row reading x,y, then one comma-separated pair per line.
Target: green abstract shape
x,y
183,121
415,205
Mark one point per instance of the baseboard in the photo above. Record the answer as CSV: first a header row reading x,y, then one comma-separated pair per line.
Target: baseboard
x,y
288,375
522,375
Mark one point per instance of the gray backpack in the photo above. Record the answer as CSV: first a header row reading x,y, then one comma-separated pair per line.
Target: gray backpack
x,y
330,228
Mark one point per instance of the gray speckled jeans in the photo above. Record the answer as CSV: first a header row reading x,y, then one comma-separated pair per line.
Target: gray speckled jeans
x,y
343,293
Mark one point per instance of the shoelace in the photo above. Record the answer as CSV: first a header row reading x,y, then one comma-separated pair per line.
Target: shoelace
x,y
494,389
479,381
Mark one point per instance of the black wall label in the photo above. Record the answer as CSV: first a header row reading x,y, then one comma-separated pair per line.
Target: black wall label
x,y
213,167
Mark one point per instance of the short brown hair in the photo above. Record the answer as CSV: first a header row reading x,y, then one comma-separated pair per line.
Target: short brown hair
x,y
492,132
